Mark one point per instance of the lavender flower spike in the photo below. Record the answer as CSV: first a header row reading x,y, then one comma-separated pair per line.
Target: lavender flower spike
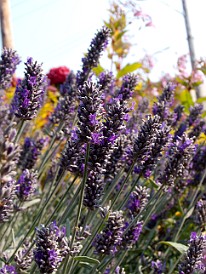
x,y
51,248
131,236
193,257
138,199
129,82
178,161
88,111
91,59
29,92
8,63
161,107
30,152
8,269
108,240
7,193
26,185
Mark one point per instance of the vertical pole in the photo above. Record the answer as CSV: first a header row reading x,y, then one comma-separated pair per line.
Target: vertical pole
x,y
5,18
190,40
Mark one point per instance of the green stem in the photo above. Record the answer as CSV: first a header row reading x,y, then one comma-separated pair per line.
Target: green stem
x,y
175,264
61,201
35,220
70,207
22,124
190,206
123,184
47,154
70,267
81,196
107,194
104,264
119,261
124,201
153,207
113,184
79,207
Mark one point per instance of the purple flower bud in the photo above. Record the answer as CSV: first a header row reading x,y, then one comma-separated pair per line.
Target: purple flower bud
x,y
8,269
177,162
200,210
26,184
131,236
194,254
177,115
9,157
30,152
195,112
7,193
91,59
8,63
108,240
161,107
24,258
51,247
138,199
106,83
29,93
65,109
157,267
88,111
125,92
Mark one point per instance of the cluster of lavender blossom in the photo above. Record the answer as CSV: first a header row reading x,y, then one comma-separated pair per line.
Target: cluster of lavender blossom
x,y
88,190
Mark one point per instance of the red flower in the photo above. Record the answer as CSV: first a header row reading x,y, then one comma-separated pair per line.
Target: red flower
x,y
58,75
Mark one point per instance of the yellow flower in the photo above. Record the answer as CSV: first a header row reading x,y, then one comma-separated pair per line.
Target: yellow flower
x,y
178,214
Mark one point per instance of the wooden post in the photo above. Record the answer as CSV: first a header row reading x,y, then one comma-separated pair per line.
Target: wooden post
x,y
190,40
6,32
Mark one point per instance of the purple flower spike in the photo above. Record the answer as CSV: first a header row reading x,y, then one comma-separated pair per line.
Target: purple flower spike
x,y
26,185
177,163
106,82
131,236
192,260
30,153
108,240
29,93
157,267
88,111
65,109
138,200
91,59
8,269
161,107
8,63
51,248
126,90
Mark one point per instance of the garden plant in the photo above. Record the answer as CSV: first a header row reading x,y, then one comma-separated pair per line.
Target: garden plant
x,y
101,171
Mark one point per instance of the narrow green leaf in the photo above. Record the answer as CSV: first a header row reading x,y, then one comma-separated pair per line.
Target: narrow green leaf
x,y
201,99
189,213
86,259
186,99
68,230
97,70
86,265
179,247
31,203
153,183
128,69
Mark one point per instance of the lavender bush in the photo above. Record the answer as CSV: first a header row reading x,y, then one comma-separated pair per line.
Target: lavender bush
x,y
103,187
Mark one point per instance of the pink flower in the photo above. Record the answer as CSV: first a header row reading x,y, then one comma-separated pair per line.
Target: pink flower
x,y
150,24
197,76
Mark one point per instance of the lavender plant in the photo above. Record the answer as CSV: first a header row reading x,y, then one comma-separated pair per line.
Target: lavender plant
x,y
102,187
